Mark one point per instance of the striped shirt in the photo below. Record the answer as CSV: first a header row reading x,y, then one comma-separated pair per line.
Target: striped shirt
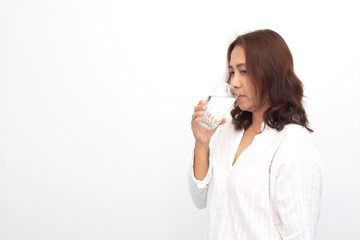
x,y
273,191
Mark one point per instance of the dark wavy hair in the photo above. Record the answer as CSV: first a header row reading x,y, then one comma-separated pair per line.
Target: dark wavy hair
x,y
270,68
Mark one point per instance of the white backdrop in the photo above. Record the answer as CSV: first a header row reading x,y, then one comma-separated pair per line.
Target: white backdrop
x,y
96,98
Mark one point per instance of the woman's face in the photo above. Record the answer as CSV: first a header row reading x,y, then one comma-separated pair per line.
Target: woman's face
x,y
239,79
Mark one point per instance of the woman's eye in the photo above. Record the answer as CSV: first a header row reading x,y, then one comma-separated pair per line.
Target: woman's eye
x,y
242,71
231,73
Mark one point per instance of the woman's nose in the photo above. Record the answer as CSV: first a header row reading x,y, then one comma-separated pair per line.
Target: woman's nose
x,y
235,82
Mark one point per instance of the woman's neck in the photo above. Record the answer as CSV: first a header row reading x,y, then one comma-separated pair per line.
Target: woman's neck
x,y
257,119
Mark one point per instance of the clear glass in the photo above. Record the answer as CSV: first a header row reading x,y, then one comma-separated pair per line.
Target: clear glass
x,y
218,104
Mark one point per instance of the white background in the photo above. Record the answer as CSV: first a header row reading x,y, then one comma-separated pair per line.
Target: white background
x,y
96,99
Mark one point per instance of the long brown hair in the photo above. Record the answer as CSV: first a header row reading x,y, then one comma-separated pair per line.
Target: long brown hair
x,y
270,68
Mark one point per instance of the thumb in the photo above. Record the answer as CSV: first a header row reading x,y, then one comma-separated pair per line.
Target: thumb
x,y
223,121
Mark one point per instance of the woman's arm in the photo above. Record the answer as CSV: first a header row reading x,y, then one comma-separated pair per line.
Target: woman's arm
x,y
199,187
201,160
296,189
200,172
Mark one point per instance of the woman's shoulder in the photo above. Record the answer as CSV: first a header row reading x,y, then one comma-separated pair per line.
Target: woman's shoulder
x,y
298,137
296,131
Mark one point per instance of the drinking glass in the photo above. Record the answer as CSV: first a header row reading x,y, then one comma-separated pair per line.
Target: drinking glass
x,y
218,104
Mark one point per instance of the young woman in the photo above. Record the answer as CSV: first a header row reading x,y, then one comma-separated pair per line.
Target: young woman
x,y
259,173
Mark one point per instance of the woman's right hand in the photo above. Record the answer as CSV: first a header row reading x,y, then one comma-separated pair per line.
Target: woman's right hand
x,y
201,135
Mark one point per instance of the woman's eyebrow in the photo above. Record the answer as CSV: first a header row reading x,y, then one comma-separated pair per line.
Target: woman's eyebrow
x,y
238,65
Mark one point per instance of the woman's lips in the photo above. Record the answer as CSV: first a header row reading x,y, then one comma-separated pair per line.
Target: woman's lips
x,y
240,97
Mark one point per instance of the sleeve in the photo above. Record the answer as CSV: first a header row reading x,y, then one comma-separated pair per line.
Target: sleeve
x,y
296,188
198,189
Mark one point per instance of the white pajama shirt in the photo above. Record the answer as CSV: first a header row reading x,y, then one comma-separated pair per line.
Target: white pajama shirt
x,y
273,191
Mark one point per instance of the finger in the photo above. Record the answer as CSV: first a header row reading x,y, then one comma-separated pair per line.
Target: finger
x,y
195,123
196,115
200,107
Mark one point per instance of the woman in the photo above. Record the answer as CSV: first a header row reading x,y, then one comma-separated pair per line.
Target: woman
x,y
259,173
